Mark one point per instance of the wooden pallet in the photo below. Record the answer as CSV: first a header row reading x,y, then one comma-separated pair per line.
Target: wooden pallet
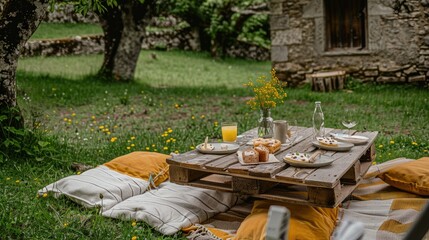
x,y
326,186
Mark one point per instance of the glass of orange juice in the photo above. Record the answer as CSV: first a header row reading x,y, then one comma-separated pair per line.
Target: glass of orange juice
x,y
229,131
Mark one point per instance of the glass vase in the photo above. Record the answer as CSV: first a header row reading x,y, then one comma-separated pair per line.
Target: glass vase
x,y
265,127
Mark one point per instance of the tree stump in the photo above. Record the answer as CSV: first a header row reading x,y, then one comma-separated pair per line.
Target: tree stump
x,y
327,81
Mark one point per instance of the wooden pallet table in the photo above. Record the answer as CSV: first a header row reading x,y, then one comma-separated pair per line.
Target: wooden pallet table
x,y
326,186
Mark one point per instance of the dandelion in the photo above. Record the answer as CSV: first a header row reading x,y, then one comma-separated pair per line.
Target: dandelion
x,y
128,148
132,138
108,133
147,148
93,117
168,141
202,116
133,145
165,148
65,224
153,145
176,105
374,163
193,117
78,173
380,146
134,238
65,119
176,152
45,195
113,139
133,223
17,181
7,179
169,130
392,142
425,150
216,124
101,127
73,114
192,147
414,143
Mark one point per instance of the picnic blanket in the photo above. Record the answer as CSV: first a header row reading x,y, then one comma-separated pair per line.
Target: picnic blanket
x,y
134,187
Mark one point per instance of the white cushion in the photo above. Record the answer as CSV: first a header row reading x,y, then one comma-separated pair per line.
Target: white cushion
x,y
99,186
172,207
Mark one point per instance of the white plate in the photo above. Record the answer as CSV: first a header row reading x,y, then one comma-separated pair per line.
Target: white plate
x,y
341,147
320,161
218,148
355,139
271,159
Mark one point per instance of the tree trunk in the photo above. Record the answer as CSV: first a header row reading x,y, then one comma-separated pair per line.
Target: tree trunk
x,y
18,21
124,31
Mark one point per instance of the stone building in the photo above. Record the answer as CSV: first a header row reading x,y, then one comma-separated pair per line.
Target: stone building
x,y
372,40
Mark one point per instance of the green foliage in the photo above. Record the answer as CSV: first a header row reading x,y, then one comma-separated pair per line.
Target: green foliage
x,y
22,143
223,21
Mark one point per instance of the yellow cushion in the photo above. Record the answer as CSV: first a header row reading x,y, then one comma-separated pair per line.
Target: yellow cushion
x,y
410,176
142,165
306,222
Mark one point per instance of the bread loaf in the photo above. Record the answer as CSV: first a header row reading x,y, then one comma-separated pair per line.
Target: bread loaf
x,y
264,153
250,155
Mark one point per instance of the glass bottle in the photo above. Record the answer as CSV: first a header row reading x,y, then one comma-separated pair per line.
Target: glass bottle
x,y
265,127
318,121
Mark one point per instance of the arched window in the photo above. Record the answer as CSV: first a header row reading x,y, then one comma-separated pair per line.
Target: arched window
x,y
346,23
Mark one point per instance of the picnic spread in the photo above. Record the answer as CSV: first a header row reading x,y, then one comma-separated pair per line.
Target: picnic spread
x,y
135,187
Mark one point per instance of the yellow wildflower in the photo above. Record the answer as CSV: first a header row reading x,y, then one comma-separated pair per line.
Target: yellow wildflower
x,y
132,138
380,146
392,142
128,148
147,148
268,93
45,195
134,223
414,143
165,148
134,238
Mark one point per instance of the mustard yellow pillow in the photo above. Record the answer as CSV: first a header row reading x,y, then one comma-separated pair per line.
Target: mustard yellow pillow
x,y
306,222
141,165
410,176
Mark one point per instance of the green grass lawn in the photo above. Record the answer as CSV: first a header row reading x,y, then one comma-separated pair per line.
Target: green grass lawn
x,y
174,103
65,30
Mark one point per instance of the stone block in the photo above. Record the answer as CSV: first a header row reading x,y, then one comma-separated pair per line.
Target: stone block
x,y
386,79
418,78
424,52
276,8
287,37
370,73
279,22
410,70
426,40
367,79
279,53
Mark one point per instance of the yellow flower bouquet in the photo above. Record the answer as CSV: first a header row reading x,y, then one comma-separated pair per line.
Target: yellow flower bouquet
x,y
268,93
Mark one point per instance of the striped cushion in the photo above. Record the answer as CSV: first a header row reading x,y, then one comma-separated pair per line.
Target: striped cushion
x,y
113,182
173,207
100,186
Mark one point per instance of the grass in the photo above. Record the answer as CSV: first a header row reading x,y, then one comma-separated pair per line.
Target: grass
x,y
174,103
65,30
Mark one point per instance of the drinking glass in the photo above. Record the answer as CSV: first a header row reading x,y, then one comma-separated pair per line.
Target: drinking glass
x,y
229,131
348,121
292,132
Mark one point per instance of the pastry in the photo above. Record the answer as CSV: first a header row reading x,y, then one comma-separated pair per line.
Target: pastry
x,y
264,153
250,155
272,144
299,157
327,141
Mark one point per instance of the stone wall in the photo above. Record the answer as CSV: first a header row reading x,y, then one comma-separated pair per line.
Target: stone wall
x,y
397,43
